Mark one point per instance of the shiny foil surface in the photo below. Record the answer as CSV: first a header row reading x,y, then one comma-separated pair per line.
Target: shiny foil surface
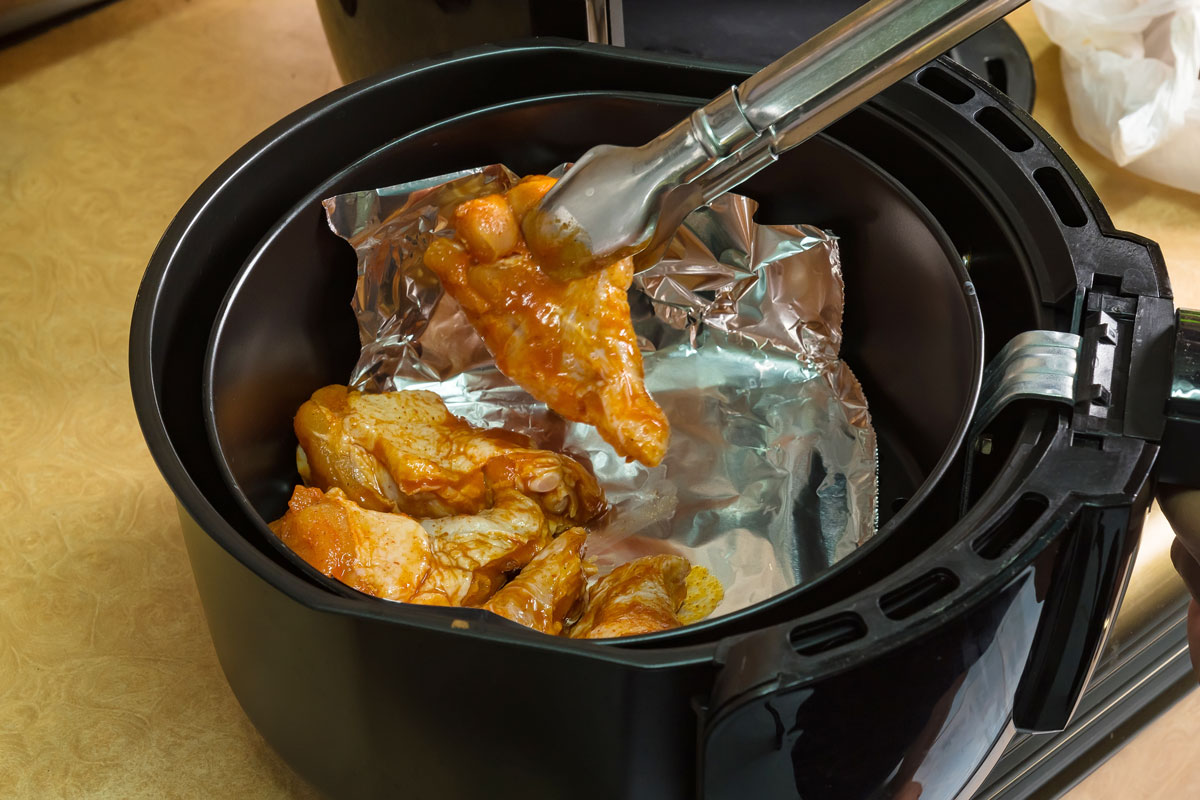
x,y
770,475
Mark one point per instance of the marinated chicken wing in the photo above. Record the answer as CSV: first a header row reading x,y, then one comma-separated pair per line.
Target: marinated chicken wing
x,y
404,451
548,589
451,561
472,552
641,596
386,555
570,344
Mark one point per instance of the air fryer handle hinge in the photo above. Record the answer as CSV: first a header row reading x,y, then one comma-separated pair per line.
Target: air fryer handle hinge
x,y
1103,362
1113,372
1124,364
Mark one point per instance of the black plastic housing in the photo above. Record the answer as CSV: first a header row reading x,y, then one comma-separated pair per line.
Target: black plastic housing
x,y
368,37
911,667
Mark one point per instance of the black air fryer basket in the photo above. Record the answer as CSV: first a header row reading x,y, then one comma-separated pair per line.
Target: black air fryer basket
x,y
1011,497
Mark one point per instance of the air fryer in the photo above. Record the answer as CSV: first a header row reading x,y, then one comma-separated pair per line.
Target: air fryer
x,y
367,37
978,611
275,341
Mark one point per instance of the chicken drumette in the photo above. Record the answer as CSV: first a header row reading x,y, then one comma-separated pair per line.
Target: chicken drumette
x,y
568,343
549,589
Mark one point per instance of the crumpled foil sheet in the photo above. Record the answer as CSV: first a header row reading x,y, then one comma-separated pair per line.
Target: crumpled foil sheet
x,y
770,475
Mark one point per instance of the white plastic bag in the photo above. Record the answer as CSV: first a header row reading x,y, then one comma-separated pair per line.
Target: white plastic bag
x,y
1132,74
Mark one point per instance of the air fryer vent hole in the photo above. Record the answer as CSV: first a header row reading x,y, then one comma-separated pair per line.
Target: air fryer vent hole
x,y
1004,129
1020,517
1055,187
945,85
918,594
997,73
826,634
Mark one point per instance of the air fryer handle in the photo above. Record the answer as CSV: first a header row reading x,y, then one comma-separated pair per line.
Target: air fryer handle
x,y
1092,565
743,744
1179,459
1178,491
1094,558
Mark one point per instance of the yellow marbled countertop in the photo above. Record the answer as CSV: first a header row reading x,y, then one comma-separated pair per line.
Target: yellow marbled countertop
x,y
109,685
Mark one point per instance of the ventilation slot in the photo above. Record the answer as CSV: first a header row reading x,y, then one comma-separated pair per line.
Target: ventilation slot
x,y
1055,187
1107,284
1012,526
826,634
944,85
1004,129
913,596
997,73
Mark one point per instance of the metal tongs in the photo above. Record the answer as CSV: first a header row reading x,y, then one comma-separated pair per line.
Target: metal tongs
x,y
621,201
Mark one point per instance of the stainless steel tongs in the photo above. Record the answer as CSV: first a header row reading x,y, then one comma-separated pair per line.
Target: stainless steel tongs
x,y
620,201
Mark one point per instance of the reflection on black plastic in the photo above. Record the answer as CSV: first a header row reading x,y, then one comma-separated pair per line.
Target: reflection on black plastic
x,y
1083,593
921,733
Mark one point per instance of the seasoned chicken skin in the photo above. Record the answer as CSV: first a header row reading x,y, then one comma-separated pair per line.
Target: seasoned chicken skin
x,y
386,555
404,451
641,596
472,552
568,343
548,589
451,561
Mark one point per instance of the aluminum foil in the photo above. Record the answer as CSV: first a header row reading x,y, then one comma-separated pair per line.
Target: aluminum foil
x,y
770,475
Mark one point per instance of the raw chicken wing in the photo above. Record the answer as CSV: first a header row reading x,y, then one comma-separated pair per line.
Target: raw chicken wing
x,y
568,343
548,589
386,555
451,561
404,451
473,552
640,596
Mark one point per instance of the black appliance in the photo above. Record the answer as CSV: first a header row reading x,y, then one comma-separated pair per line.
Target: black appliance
x,y
369,36
906,668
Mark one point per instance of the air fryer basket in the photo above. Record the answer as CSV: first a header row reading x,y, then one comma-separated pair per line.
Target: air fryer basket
x,y
278,338
914,666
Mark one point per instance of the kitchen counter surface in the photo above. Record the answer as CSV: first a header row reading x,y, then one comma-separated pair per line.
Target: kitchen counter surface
x,y
109,685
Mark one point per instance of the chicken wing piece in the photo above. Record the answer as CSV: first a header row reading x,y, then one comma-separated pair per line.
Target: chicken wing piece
x,y
640,596
386,555
568,343
451,561
550,587
404,451
473,552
